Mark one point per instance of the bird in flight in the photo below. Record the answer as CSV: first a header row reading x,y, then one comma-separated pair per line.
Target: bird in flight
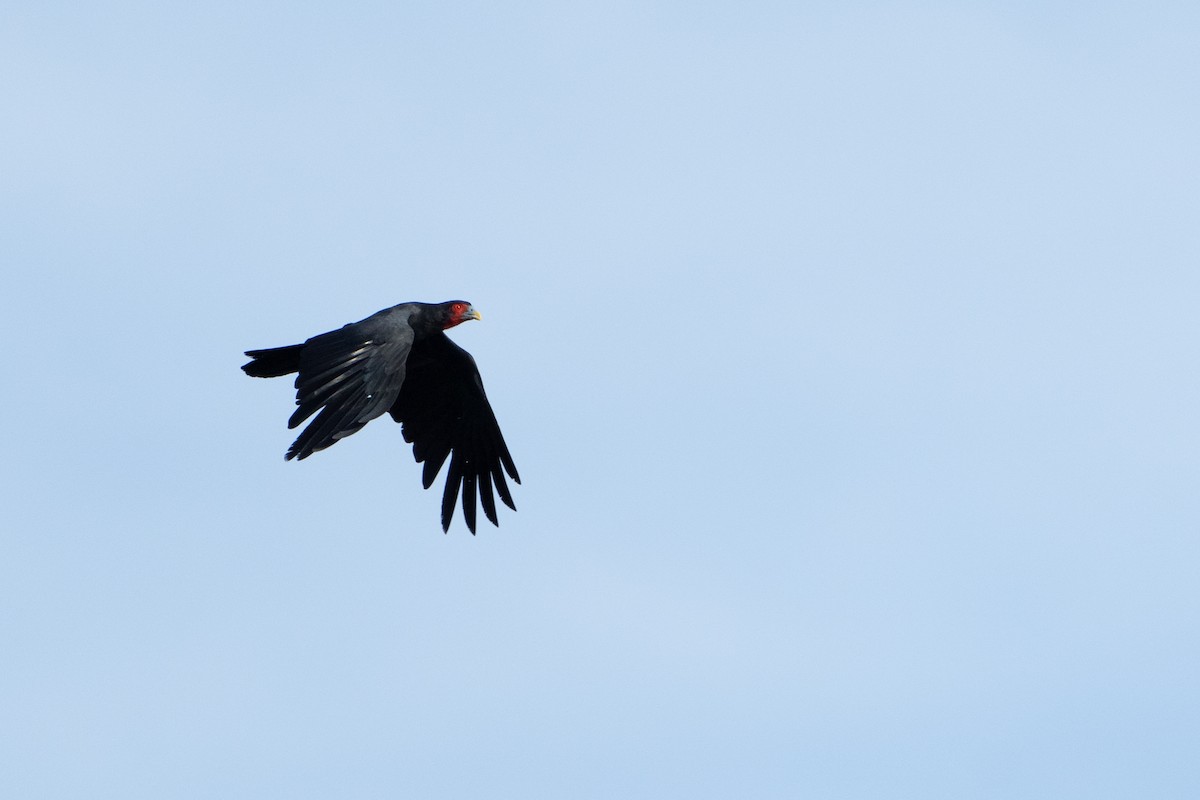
x,y
401,362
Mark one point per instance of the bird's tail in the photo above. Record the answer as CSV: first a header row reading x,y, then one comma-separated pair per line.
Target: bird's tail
x,y
273,362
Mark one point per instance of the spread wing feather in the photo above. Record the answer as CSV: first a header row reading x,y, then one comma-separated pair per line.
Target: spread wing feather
x,y
348,377
445,414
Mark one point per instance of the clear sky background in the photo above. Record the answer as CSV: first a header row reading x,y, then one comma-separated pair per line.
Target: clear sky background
x,y
848,352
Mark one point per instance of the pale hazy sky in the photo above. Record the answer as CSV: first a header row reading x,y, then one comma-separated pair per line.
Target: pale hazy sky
x,y
848,353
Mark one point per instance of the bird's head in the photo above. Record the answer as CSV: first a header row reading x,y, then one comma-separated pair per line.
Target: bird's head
x,y
456,312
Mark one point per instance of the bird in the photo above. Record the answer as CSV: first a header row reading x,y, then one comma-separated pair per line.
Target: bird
x,y
399,361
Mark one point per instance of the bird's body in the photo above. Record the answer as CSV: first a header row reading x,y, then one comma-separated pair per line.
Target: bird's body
x,y
400,361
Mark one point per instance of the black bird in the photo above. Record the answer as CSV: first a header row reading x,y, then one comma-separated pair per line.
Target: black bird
x,y
400,361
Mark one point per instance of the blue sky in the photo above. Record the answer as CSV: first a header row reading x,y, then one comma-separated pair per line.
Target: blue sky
x,y
847,351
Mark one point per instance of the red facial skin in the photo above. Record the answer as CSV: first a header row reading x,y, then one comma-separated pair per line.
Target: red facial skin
x,y
459,313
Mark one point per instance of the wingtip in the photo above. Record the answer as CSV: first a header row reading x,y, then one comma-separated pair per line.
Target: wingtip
x,y
446,527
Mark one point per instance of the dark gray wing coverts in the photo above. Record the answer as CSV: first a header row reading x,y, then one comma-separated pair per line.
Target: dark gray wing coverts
x,y
348,377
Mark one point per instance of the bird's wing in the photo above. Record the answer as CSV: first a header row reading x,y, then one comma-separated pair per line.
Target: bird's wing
x,y
350,376
445,413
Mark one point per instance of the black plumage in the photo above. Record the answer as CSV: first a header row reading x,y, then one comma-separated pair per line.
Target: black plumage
x,y
400,361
